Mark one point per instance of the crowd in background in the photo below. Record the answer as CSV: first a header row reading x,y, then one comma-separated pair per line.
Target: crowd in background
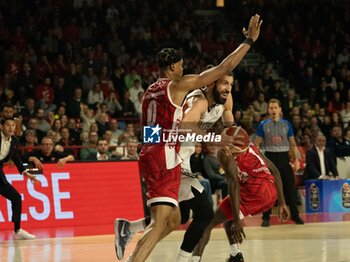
x,y
76,70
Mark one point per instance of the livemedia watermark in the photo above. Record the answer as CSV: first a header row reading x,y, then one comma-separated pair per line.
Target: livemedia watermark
x,y
157,135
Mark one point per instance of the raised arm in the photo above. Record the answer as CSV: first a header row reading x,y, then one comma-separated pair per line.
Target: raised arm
x,y
191,82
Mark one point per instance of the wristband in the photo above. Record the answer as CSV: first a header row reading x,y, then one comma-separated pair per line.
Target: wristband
x,y
248,41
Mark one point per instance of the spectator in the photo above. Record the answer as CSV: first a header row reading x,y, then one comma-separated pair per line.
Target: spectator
x,y
135,89
131,149
118,80
66,139
87,115
53,135
116,131
90,148
56,126
29,109
26,83
289,103
345,114
138,104
102,151
337,144
64,120
128,106
88,82
131,77
73,104
335,104
102,123
95,96
47,105
62,93
45,90
113,105
347,136
108,137
74,130
320,161
29,140
275,91
73,79
46,154
260,104
43,125
43,71
33,124
324,93
94,128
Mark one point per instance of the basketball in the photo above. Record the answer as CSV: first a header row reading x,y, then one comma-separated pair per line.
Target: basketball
x,y
237,130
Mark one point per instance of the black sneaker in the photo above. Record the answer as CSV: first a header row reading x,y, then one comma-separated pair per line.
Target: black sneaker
x,y
236,258
265,223
298,221
123,235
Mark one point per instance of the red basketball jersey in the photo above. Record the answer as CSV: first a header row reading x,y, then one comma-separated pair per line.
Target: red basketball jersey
x,y
251,164
158,109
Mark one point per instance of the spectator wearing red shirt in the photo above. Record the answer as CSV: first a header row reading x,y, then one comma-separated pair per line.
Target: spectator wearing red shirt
x,y
59,67
45,90
71,32
43,68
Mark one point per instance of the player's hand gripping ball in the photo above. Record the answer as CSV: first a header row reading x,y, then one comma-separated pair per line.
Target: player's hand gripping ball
x,y
243,137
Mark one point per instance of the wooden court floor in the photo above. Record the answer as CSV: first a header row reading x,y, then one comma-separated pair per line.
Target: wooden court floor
x,y
312,242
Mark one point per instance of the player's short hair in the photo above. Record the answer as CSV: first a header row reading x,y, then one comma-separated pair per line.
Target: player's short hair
x,y
168,56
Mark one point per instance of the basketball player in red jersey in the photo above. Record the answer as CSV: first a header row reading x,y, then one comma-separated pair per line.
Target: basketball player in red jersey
x,y
159,163
254,184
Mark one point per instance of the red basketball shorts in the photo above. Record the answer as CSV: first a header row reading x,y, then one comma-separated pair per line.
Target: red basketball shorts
x,y
162,184
257,196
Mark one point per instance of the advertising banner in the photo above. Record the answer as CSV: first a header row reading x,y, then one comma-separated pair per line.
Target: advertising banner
x,y
79,194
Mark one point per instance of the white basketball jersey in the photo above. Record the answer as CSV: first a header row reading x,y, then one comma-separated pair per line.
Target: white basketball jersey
x,y
209,118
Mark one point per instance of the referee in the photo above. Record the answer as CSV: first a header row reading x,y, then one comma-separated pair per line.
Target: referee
x,y
277,137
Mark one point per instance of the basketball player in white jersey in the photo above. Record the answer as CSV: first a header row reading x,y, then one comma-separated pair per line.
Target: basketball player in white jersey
x,y
204,108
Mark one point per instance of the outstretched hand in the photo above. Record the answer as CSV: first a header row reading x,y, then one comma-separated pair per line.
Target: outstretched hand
x,y
253,30
283,213
237,232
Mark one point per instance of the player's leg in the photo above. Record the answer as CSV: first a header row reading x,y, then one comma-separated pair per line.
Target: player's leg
x,y
207,189
219,217
235,253
202,215
162,188
164,219
266,218
124,230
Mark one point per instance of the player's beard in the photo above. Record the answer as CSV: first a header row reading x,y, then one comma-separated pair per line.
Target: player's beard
x,y
217,97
